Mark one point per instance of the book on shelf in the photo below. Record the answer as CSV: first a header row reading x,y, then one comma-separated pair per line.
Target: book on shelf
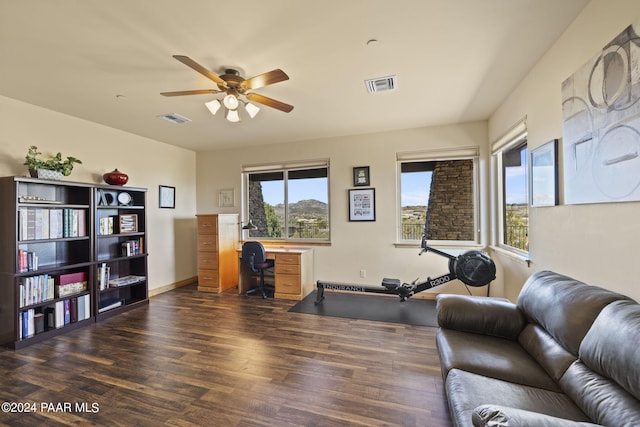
x,y
109,304
126,280
38,320
54,223
131,247
70,283
36,289
105,225
27,261
103,276
67,311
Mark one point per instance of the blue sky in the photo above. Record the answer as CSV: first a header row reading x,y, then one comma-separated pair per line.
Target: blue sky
x,y
299,189
517,187
415,188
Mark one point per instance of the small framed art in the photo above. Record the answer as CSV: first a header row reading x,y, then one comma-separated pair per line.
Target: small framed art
x,y
362,204
225,198
167,197
361,176
128,223
544,175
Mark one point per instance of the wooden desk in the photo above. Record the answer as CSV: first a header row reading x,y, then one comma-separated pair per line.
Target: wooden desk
x,y
293,272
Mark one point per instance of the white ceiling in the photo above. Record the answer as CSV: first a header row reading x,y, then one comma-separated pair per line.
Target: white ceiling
x,y
455,61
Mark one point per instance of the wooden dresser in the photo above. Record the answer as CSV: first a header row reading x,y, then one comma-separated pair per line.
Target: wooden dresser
x,y
217,255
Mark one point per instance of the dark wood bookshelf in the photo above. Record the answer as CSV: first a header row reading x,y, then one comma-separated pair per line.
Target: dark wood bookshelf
x,y
51,229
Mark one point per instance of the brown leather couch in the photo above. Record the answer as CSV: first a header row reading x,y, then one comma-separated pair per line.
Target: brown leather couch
x,y
566,354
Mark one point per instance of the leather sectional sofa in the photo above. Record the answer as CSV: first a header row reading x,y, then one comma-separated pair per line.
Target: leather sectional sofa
x,y
566,354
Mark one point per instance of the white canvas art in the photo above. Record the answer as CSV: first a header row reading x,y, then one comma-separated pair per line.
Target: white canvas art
x,y
601,125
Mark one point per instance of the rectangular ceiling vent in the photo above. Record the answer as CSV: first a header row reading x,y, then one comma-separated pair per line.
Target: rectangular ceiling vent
x,y
381,84
175,118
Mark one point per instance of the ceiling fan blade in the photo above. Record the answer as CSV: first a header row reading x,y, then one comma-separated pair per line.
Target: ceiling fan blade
x,y
269,102
273,76
190,92
199,68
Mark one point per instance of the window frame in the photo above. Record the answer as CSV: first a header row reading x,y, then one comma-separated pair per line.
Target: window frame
x,y
517,136
285,168
440,155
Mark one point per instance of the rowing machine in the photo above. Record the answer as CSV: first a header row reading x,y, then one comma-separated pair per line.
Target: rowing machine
x,y
473,268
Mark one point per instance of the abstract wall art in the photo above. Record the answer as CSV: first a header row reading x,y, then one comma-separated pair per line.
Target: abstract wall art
x,y
601,124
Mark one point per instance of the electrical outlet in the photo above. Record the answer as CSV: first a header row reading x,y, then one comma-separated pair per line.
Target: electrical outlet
x,y
363,273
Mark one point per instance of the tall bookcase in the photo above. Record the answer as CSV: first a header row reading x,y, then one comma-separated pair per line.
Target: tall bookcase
x,y
52,255
120,249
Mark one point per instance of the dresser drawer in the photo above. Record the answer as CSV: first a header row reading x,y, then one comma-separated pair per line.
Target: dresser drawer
x,y
207,242
208,260
207,225
288,284
287,268
288,259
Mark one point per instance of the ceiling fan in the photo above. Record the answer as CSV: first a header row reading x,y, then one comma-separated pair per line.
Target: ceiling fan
x,y
235,87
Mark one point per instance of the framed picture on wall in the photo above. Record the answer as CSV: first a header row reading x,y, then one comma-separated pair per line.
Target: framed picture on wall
x,y
362,204
361,176
225,198
544,175
167,197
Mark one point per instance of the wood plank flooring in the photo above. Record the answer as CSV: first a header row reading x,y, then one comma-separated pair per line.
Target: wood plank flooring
x,y
194,359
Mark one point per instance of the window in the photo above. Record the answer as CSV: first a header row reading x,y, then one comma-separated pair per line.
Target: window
x,y
288,202
515,200
440,186
512,157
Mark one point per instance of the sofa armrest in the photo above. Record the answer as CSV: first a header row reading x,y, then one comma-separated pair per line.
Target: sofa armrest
x,y
482,315
498,416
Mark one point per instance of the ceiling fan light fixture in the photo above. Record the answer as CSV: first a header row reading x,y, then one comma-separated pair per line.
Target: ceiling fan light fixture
x,y
233,116
251,109
231,102
213,106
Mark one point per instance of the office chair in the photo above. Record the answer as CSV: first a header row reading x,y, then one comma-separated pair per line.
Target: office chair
x,y
254,255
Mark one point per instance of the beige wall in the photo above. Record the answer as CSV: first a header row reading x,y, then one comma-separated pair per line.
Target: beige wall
x,y
171,232
596,242
355,246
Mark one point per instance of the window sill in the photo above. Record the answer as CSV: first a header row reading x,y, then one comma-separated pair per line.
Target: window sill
x,y
520,257
453,245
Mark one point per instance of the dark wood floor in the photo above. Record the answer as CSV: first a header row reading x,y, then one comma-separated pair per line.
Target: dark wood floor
x,y
194,359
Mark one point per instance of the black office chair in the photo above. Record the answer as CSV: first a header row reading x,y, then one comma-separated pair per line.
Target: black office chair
x,y
254,255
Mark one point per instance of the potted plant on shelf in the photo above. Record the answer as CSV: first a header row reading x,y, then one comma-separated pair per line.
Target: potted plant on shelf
x,y
53,168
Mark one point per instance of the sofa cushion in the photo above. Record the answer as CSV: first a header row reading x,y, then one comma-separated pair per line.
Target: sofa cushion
x,y
553,358
489,316
611,346
502,416
606,382
564,307
466,391
603,400
490,356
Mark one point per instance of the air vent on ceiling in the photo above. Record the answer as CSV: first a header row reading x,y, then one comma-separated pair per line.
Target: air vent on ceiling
x,y
381,84
175,118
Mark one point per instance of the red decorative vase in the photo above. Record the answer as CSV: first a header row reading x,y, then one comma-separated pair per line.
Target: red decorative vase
x,y
115,177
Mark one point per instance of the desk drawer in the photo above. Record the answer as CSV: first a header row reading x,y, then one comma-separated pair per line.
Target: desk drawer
x,y
288,259
207,243
208,260
208,278
287,268
288,284
207,225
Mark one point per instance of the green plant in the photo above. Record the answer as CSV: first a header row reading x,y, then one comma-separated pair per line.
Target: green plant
x,y
54,163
